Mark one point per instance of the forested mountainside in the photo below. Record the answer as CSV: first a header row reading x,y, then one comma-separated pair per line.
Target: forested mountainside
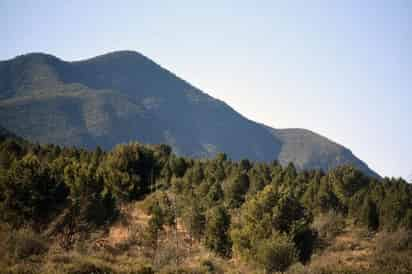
x,y
142,209
124,96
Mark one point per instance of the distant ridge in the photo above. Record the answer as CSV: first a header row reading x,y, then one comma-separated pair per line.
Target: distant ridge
x,y
122,96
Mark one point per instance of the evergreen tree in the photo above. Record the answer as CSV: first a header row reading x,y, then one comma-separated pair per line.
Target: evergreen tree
x,y
216,234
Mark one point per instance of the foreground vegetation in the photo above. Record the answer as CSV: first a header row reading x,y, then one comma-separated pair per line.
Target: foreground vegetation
x,y
142,209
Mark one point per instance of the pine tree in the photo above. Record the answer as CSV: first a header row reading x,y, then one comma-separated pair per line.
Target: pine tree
x,y
216,234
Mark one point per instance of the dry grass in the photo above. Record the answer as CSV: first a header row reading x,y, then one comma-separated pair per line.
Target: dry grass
x,y
351,248
121,248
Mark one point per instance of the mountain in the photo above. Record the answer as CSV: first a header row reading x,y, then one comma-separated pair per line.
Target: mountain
x,y
307,149
4,134
124,96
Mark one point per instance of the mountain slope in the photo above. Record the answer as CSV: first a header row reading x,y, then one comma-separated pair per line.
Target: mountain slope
x,y
307,149
124,96
4,134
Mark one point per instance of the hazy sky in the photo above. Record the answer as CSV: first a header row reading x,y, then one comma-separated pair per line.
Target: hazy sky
x,y
340,68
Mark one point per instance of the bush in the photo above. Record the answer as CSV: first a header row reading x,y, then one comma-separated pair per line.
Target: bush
x,y
86,265
276,254
328,225
25,243
207,266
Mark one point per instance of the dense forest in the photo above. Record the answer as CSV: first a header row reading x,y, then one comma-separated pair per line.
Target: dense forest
x,y
60,206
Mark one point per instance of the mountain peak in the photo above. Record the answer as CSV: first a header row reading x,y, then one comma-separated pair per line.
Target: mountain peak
x,y
123,53
41,56
120,55
123,96
36,56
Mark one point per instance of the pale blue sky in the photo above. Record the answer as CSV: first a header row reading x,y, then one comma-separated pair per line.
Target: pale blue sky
x,y
340,68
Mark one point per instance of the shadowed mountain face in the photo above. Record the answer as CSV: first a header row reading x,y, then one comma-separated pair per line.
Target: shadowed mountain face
x,y
4,134
124,96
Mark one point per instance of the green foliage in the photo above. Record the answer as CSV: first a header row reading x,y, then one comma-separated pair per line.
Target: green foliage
x,y
156,222
29,193
178,166
276,253
214,194
236,189
160,206
193,218
370,215
262,212
129,171
91,202
217,228
287,211
267,215
346,181
407,220
208,266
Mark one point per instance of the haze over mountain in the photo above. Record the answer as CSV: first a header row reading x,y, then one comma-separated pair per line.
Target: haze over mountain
x,y
124,96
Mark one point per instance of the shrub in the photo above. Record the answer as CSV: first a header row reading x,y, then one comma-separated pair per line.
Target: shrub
x,y
25,243
328,225
207,266
86,265
276,254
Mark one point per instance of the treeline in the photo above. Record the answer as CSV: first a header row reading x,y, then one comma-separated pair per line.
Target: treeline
x,y
261,212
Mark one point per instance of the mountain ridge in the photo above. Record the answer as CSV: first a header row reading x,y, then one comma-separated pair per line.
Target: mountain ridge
x,y
122,96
